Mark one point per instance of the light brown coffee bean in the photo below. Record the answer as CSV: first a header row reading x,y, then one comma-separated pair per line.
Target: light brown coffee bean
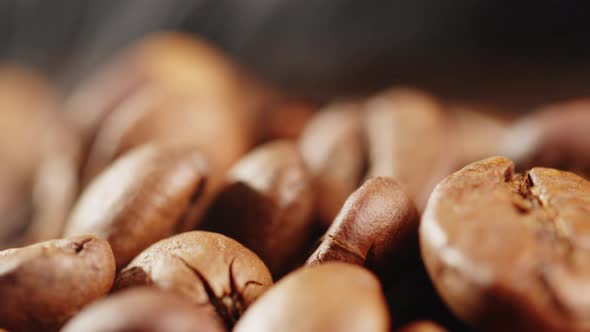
x,y
266,204
144,309
283,118
509,251
422,326
333,148
375,228
27,105
210,269
141,198
44,284
408,139
555,136
330,297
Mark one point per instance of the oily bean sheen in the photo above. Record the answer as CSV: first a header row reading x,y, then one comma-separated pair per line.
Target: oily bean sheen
x,y
422,326
408,137
331,297
333,148
210,269
509,252
376,224
43,285
557,136
144,310
266,204
140,198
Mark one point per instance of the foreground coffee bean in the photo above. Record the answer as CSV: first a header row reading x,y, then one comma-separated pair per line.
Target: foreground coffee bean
x,y
330,297
140,198
333,148
508,252
556,136
408,140
146,310
266,204
375,228
210,269
44,284
422,326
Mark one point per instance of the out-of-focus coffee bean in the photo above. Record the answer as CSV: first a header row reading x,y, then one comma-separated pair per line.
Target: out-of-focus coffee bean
x,y
27,105
476,134
141,198
266,204
333,148
556,136
375,228
408,136
422,326
210,269
329,297
284,119
146,310
45,284
508,252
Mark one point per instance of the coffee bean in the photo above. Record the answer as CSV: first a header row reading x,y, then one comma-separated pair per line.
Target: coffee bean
x,y
333,148
210,269
141,198
376,228
422,326
556,136
507,251
266,204
146,310
408,139
330,297
45,284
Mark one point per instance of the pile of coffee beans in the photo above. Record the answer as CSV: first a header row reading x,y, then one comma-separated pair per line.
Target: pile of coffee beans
x,y
174,191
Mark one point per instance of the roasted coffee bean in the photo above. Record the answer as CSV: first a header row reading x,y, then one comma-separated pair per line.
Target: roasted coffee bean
x,y
266,204
422,326
140,198
375,228
210,269
408,136
556,136
45,284
475,134
144,310
333,148
27,104
330,297
508,252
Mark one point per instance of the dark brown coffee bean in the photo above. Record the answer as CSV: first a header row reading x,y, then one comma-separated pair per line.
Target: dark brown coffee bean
x,y
144,310
210,269
508,251
422,326
329,297
556,136
374,228
408,140
44,284
333,148
266,204
141,198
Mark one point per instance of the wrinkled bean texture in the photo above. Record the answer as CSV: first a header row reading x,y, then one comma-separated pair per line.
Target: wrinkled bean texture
x,y
210,269
45,284
509,251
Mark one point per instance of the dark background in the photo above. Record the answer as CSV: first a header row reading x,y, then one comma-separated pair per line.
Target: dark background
x,y
482,50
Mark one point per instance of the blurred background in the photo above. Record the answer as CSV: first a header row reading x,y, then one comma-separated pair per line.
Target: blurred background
x,y
515,53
